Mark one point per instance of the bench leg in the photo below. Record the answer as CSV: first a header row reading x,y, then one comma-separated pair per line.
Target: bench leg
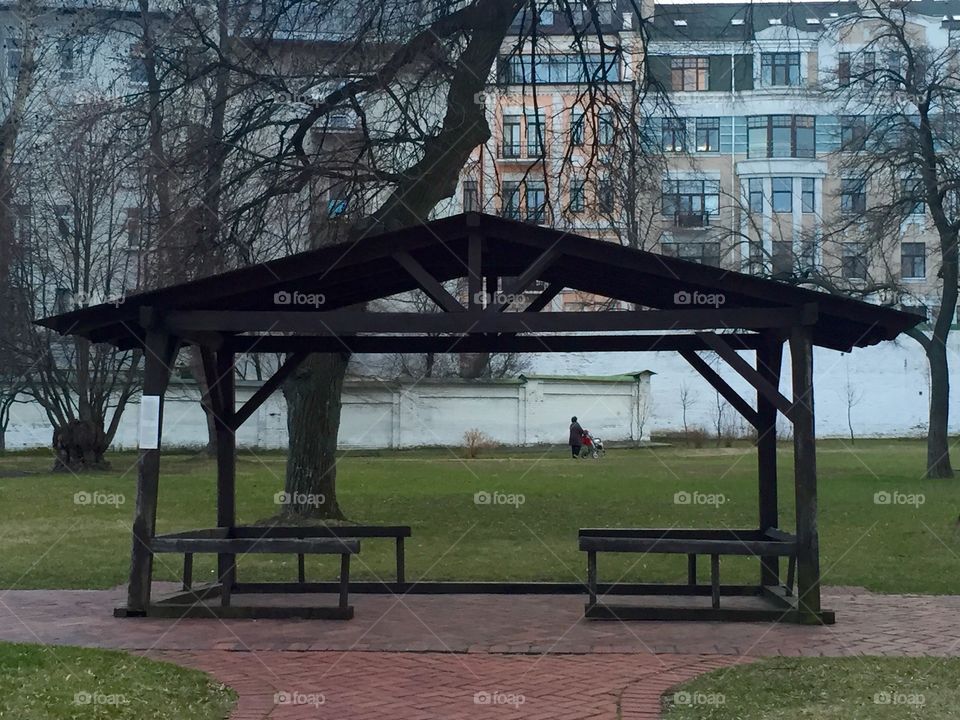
x,y
401,566
592,576
715,580
301,569
691,569
791,571
344,579
226,588
187,571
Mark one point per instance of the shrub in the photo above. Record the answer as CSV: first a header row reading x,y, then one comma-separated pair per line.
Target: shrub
x,y
475,440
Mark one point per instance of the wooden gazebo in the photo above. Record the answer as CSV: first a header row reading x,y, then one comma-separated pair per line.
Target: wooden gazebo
x,y
676,306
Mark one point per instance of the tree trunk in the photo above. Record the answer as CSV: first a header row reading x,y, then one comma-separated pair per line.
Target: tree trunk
x,y
938,441
203,385
79,446
313,421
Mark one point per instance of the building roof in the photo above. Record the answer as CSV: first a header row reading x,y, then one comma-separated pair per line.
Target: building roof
x,y
346,275
740,22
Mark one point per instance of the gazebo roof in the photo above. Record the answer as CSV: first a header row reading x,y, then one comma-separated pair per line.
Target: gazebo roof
x,y
484,246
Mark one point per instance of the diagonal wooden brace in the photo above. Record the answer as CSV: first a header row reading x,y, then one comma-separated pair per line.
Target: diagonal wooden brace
x,y
765,387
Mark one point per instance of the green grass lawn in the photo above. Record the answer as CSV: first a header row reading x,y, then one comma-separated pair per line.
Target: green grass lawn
x,y
822,689
56,683
49,541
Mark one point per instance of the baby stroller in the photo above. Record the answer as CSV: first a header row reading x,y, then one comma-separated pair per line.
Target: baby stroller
x,y
592,446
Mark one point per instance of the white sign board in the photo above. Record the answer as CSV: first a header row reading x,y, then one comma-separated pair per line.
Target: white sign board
x,y
149,438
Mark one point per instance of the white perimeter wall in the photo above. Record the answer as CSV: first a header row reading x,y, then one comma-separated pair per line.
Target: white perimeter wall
x,y
889,384
397,415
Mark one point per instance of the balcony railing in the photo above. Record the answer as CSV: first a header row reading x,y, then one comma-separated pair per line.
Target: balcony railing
x,y
691,220
511,150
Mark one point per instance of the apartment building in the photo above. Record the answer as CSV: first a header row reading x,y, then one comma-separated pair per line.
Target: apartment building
x,y
744,107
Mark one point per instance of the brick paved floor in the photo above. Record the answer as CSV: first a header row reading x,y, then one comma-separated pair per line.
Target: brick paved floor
x,y
426,656
867,624
435,686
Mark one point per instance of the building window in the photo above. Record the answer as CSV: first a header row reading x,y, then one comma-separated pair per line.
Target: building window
x,y
854,263
782,195
137,66
868,64
22,221
674,134
853,196
781,136
755,195
605,195
535,134
14,57
853,130
708,134
780,68
510,192
536,195
913,260
808,201
605,127
808,255
67,54
576,128
471,196
706,253
781,260
690,202
689,73
911,196
133,227
843,69
560,68
546,14
578,198
511,136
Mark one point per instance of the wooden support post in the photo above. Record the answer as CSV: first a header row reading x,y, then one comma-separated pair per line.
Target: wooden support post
x,y
187,571
691,569
160,349
344,580
301,569
226,459
592,576
475,271
715,581
769,360
805,475
401,566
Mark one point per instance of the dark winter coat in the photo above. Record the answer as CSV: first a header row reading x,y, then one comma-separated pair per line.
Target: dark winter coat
x,y
576,434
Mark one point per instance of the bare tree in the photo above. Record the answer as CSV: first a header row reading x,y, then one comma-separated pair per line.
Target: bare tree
x,y
74,253
900,170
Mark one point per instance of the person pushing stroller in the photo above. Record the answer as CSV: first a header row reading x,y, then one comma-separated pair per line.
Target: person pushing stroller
x,y
576,438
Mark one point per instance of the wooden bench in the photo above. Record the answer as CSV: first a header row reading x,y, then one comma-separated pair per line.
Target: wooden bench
x,y
226,542
690,542
398,532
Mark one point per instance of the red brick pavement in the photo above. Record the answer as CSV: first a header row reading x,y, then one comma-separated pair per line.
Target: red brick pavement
x,y
867,624
426,656
435,686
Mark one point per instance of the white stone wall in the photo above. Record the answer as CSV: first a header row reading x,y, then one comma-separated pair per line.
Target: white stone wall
x,y
378,414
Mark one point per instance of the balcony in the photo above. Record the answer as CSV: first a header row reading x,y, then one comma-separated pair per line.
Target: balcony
x,y
511,150
691,220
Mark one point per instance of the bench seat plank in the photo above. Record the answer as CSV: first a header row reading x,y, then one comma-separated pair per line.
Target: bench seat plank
x,y
238,546
687,546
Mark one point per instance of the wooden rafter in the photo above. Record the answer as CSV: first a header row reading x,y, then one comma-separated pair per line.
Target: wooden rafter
x,y
722,387
764,386
428,283
267,389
